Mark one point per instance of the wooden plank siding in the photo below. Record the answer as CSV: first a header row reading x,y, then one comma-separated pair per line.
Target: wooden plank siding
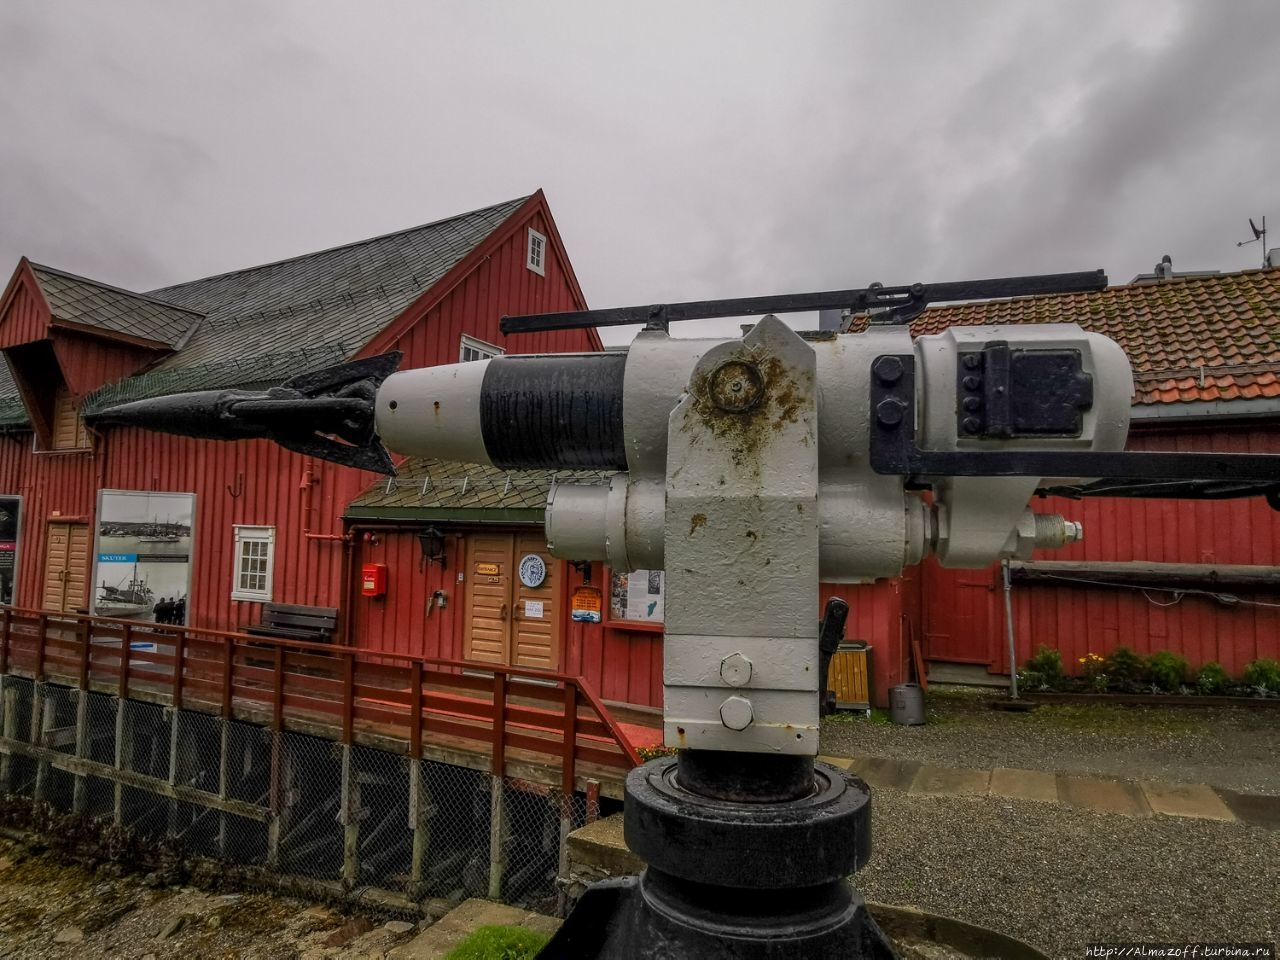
x,y
1080,619
23,309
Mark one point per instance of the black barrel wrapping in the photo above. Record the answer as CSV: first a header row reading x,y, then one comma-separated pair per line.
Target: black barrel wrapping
x,y
554,412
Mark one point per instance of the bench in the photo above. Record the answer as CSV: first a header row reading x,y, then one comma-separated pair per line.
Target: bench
x,y
291,621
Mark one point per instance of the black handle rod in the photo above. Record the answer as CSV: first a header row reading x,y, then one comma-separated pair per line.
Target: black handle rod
x,y
860,299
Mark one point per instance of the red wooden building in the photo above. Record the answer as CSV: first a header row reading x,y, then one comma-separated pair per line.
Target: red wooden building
x,y
116,520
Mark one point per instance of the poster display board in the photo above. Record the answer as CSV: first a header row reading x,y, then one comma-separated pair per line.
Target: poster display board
x,y
142,555
10,525
637,596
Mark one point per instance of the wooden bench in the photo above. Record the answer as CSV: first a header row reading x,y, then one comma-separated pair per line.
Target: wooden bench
x,y
292,621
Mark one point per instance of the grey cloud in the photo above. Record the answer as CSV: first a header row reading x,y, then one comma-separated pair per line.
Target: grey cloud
x,y
694,150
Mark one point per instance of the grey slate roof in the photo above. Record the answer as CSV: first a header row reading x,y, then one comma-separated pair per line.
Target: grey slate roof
x,y
93,304
264,324
429,489
339,297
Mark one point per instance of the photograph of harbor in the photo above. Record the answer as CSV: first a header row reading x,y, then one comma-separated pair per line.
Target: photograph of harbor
x,y
142,568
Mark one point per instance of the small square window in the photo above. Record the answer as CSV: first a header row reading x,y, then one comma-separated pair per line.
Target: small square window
x,y
537,253
255,555
473,349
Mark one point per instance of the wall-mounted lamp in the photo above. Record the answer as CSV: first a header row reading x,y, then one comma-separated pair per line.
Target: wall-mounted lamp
x,y
432,542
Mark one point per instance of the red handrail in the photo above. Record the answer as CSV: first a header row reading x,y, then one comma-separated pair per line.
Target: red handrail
x,y
297,679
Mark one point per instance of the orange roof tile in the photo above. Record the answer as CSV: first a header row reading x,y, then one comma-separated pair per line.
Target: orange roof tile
x,y
1191,338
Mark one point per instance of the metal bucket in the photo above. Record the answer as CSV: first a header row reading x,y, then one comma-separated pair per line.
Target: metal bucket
x,y
906,704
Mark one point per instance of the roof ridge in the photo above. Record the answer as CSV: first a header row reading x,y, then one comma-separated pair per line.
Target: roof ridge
x,y
345,246
114,289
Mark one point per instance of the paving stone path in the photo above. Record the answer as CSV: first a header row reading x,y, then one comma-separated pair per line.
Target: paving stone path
x,y
1128,798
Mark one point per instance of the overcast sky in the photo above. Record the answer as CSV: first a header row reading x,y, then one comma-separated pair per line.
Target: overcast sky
x,y
688,150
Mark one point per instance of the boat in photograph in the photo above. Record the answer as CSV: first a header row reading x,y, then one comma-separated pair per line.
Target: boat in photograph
x,y
133,601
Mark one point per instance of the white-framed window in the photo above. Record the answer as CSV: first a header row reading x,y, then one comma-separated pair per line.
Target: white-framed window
x,y
255,557
537,259
473,349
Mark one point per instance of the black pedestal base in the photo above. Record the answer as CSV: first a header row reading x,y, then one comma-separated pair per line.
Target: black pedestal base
x,y
643,918
731,878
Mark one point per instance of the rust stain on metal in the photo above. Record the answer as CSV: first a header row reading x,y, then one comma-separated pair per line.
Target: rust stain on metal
x,y
786,395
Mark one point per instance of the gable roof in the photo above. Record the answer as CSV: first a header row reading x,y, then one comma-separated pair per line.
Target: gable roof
x,y
98,306
341,296
1205,338
263,324
429,489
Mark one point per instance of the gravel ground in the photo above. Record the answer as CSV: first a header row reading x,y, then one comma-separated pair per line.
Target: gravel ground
x,y
1230,747
1060,878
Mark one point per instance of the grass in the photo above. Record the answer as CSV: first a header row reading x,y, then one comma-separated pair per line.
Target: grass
x,y
499,943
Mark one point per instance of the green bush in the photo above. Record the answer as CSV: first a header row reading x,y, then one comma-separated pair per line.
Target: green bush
x,y
1212,679
1265,673
1046,665
655,751
499,943
1168,671
1126,667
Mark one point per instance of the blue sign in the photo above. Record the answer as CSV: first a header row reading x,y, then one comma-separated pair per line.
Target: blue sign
x,y
117,558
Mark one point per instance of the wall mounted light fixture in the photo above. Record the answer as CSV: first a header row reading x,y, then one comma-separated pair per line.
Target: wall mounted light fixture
x,y
432,543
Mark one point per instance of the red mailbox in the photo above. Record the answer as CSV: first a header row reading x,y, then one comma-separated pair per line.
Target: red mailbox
x,y
373,579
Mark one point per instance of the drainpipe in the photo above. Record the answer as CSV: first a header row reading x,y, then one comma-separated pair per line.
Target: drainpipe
x,y
1008,626
307,485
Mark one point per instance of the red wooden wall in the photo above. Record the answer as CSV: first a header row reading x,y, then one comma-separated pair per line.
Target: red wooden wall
x,y
967,606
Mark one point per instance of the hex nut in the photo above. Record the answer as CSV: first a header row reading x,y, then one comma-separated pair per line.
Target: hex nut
x,y
736,386
888,370
890,411
736,713
735,670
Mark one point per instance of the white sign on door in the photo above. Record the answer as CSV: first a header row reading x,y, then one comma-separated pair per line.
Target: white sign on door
x,y
533,609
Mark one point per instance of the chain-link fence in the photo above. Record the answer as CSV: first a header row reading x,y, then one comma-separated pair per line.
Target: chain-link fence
x,y
298,804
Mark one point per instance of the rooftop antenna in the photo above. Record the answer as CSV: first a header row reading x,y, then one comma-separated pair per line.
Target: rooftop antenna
x,y
1259,233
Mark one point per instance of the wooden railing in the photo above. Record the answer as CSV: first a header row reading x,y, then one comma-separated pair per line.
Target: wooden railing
x,y
506,713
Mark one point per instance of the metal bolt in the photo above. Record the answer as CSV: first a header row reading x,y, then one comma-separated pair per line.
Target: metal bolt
x,y
888,370
736,386
971,382
971,361
736,713
735,670
971,404
972,424
889,411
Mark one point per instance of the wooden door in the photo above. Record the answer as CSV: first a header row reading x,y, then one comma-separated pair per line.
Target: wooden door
x,y
507,621
487,625
538,615
66,566
961,619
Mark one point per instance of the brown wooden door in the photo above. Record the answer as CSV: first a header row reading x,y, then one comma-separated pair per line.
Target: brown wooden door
x,y
506,621
538,617
489,573
66,566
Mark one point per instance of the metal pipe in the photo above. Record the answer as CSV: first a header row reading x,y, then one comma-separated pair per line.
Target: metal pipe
x,y
1008,626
